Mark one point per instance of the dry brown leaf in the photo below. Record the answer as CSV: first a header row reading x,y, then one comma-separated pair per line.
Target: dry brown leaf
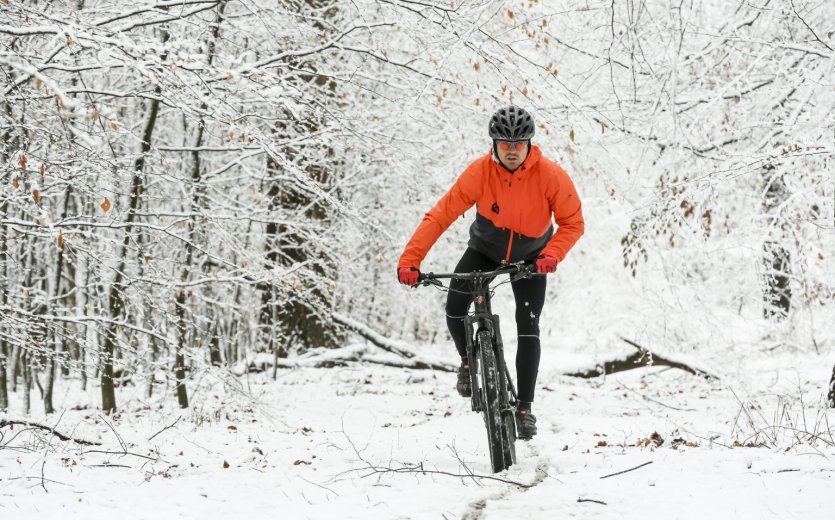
x,y
299,461
476,66
15,182
60,239
114,125
571,135
22,161
602,444
225,464
105,205
43,170
509,13
37,196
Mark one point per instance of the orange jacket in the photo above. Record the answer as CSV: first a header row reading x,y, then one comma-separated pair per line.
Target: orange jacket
x,y
514,211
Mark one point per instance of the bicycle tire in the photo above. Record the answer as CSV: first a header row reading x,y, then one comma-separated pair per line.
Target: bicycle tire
x,y
492,405
509,432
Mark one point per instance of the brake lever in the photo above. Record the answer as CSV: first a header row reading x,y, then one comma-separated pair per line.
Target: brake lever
x,y
524,274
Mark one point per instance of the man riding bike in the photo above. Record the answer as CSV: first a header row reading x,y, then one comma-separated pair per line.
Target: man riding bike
x,y
516,191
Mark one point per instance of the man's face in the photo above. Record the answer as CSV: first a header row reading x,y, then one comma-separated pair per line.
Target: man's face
x,y
512,153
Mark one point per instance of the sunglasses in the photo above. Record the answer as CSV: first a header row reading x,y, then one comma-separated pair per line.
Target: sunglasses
x,y
507,146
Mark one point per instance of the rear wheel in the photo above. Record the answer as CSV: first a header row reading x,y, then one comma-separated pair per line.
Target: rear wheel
x,y
496,432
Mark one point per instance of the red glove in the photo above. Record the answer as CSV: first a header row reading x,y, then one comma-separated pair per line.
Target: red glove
x,y
546,264
408,275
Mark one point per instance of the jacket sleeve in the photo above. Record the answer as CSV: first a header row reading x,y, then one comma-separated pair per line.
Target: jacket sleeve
x,y
568,214
452,205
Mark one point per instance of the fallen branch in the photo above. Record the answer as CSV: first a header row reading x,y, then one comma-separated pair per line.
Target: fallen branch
x,y
341,357
627,470
375,338
642,357
53,431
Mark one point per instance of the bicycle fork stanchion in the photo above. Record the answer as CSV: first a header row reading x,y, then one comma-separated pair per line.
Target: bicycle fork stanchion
x,y
469,327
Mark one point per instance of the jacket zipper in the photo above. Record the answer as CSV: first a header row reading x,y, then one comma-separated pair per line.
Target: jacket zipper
x,y
509,245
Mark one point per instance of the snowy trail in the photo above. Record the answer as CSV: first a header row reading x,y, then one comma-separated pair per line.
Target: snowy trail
x,y
374,442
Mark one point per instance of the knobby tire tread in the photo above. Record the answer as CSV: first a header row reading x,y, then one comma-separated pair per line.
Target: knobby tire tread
x,y
492,408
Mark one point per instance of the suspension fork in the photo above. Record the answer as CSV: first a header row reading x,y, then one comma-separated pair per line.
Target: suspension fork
x,y
483,318
479,320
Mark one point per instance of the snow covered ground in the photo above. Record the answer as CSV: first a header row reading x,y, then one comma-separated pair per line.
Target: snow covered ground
x,y
377,442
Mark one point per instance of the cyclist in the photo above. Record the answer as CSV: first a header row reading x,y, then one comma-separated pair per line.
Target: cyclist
x,y
516,191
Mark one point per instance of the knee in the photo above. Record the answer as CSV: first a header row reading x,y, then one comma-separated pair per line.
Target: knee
x,y
527,322
456,307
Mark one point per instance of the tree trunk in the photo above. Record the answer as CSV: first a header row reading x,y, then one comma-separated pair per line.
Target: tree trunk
x,y
54,294
179,361
27,382
4,388
776,257
4,300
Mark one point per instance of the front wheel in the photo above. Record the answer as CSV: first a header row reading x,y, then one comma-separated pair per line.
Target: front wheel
x,y
496,436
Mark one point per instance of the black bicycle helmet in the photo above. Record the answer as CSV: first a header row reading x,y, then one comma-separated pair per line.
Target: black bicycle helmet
x,y
511,123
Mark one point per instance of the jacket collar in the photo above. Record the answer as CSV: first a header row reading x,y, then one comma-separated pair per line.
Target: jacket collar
x,y
530,162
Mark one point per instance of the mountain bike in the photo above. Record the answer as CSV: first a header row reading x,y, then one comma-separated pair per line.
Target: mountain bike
x,y
493,392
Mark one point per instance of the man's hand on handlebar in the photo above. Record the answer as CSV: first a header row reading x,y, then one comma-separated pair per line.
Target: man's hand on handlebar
x,y
546,264
408,276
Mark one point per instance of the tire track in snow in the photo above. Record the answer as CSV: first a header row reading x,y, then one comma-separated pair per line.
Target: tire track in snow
x,y
475,509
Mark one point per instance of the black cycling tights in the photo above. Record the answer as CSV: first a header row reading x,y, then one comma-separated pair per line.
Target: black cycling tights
x,y
530,297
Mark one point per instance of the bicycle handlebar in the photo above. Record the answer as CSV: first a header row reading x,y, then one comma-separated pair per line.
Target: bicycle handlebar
x,y
524,268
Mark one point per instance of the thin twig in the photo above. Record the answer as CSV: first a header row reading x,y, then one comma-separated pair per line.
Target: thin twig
x,y
592,500
627,470
167,427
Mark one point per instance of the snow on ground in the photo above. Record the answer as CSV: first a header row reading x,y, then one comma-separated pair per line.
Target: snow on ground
x,y
377,442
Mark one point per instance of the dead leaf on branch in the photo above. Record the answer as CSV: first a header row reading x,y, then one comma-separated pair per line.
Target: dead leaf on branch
x,y
105,205
22,161
299,461
225,465
60,239
36,195
655,439
678,441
